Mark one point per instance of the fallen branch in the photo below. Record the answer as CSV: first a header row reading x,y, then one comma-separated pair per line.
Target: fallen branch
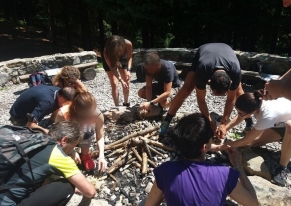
x,y
158,144
114,178
117,165
128,164
155,151
145,145
115,146
140,133
152,163
135,152
144,162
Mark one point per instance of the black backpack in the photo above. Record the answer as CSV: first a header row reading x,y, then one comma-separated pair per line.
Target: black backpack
x,y
15,144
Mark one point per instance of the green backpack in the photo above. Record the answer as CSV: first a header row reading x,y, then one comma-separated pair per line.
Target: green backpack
x,y
15,144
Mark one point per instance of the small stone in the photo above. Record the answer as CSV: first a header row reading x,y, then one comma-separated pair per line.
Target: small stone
x,y
155,159
148,187
125,201
106,190
160,158
132,194
106,139
118,204
116,189
129,175
112,197
167,159
166,155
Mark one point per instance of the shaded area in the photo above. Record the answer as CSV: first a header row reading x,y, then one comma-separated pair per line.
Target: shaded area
x,y
25,42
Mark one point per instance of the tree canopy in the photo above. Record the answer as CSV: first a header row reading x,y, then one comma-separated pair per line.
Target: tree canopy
x,y
259,26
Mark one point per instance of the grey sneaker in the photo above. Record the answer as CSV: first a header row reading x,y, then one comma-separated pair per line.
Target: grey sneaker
x,y
164,128
280,177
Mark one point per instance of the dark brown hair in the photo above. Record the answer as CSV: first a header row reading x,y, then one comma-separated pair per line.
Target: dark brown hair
x,y
249,102
111,50
81,102
151,57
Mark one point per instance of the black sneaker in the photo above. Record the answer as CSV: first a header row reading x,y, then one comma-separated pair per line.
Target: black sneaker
x,y
280,177
126,104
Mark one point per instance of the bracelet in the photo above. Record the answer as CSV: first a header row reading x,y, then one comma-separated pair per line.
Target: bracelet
x,y
237,166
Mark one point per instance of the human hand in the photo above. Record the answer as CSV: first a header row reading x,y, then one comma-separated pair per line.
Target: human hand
x,y
214,148
124,85
213,125
234,156
102,164
221,131
146,106
75,156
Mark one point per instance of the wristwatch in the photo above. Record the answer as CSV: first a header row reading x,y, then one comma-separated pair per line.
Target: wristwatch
x,y
151,102
119,78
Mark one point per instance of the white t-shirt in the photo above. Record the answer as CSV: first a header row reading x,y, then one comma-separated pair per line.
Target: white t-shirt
x,y
273,112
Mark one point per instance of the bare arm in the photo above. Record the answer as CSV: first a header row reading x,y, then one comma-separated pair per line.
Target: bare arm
x,y
165,95
235,121
99,128
80,86
229,104
247,139
35,125
244,192
155,197
82,184
202,103
59,117
149,83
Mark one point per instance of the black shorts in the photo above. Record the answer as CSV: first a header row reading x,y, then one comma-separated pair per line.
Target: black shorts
x,y
280,131
158,89
122,60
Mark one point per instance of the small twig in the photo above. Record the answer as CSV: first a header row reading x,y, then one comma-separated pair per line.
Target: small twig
x,y
147,149
155,151
135,152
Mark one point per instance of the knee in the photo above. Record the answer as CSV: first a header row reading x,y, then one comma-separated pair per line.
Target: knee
x,y
114,85
141,93
163,104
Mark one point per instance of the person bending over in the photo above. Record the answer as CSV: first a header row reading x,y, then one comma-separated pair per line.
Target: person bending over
x,y
118,55
69,76
268,115
36,102
216,64
168,82
48,160
192,181
83,109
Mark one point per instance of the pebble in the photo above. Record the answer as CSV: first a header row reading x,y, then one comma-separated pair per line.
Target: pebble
x,y
118,204
166,155
125,201
112,197
148,187
116,189
132,194
106,190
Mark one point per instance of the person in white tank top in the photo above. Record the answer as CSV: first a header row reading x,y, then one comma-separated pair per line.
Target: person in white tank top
x,y
269,114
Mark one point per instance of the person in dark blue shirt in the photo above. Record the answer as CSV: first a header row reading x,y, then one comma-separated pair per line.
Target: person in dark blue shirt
x,y
37,102
167,81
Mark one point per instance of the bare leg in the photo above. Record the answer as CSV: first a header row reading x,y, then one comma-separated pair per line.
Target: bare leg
x,y
184,92
124,74
286,146
114,87
267,136
165,103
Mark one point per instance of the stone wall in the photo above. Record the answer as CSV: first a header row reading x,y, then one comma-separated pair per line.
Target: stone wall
x,y
10,70
273,64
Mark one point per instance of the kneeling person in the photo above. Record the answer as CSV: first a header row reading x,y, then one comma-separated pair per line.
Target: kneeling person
x,y
168,82
48,160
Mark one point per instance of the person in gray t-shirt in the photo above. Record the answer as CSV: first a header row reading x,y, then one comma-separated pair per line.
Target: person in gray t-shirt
x,y
167,81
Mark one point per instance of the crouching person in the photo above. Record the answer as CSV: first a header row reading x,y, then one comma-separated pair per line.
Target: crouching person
x,y
192,181
48,160
168,83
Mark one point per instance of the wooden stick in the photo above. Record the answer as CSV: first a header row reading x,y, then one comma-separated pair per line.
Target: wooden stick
x,y
158,144
137,165
135,152
114,178
113,147
117,165
144,162
118,151
151,163
128,163
155,151
121,157
145,145
140,133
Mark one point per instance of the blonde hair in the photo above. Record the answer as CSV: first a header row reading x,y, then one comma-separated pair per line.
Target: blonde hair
x,y
111,50
67,72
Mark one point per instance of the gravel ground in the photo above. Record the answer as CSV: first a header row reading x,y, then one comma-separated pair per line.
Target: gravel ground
x,y
132,186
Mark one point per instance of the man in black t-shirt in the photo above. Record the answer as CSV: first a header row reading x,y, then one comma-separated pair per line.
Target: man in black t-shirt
x,y
217,65
167,85
38,102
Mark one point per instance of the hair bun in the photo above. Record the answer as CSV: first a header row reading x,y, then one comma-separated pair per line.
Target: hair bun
x,y
259,94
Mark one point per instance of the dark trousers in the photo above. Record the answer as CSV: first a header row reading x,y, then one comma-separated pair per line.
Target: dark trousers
x,y
56,193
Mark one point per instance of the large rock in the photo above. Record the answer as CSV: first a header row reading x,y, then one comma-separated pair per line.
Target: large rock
x,y
254,164
269,194
4,78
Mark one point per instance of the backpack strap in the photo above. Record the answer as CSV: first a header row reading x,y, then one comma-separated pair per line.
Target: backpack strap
x,y
25,157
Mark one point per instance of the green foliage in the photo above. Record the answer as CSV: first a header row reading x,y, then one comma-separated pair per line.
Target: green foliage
x,y
236,135
259,26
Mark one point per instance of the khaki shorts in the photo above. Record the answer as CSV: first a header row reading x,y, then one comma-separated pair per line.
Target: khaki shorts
x,y
17,121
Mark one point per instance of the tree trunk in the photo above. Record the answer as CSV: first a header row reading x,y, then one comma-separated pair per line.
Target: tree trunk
x,y
101,30
53,35
64,4
85,26
114,27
